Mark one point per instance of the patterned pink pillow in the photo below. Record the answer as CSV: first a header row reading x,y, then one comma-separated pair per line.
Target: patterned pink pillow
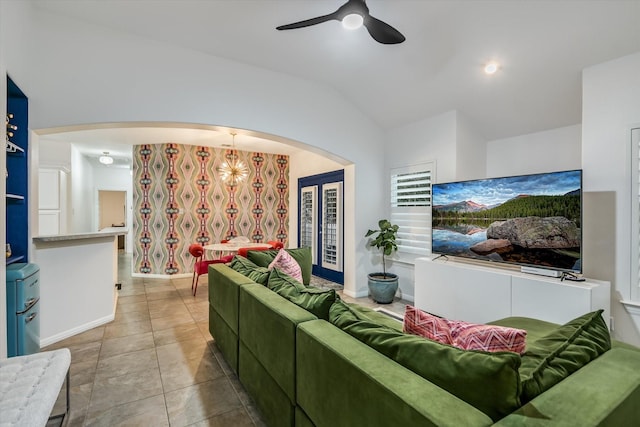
x,y
287,264
464,335
471,336
426,325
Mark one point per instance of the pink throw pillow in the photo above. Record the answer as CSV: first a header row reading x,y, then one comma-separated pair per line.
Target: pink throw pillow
x,y
471,336
426,325
287,264
464,335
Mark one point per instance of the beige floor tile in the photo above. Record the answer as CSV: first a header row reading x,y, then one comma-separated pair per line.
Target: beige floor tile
x,y
123,329
181,373
177,333
201,401
128,363
130,387
234,418
127,344
151,411
161,323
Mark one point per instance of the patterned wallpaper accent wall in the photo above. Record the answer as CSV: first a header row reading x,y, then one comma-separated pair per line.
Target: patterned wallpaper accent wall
x,y
178,199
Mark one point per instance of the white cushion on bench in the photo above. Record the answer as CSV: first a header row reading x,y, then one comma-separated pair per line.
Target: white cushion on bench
x,y
29,386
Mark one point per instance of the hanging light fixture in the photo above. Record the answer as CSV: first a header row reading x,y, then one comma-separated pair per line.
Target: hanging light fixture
x,y
106,159
233,171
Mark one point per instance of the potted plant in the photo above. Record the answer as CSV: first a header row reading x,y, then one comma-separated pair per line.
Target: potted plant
x,y
383,286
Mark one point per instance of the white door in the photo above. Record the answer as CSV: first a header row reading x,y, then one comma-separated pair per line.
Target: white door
x,y
321,223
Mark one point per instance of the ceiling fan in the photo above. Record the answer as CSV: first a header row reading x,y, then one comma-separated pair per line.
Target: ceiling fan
x,y
353,14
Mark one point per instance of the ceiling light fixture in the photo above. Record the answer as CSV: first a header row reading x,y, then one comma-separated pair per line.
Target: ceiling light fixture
x,y
491,67
106,159
234,171
353,21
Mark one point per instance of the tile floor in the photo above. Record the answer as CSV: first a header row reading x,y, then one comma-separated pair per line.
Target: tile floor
x,y
156,364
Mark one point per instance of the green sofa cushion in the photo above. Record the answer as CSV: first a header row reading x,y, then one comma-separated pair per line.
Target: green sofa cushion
x,y
346,383
375,316
562,352
301,255
488,381
251,270
314,300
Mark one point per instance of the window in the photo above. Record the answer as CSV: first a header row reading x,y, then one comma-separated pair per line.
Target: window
x,y
411,209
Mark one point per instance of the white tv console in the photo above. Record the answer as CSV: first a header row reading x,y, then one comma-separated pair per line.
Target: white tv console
x,y
480,294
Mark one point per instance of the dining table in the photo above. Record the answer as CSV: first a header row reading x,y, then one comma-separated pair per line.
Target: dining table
x,y
232,247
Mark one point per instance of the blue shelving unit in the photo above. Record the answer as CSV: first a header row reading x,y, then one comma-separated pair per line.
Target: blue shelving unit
x,y
17,214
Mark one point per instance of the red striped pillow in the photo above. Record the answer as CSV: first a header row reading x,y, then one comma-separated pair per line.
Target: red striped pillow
x,y
417,322
464,335
471,336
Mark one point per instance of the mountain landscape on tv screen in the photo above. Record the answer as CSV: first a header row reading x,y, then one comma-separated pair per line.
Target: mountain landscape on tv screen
x,y
527,220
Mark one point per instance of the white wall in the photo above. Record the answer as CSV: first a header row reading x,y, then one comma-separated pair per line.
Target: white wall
x,y
610,108
433,138
54,154
82,196
471,150
547,151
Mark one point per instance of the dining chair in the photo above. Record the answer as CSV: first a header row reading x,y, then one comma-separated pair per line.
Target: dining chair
x,y
276,244
201,264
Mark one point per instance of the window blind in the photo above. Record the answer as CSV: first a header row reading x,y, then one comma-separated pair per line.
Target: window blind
x,y
411,208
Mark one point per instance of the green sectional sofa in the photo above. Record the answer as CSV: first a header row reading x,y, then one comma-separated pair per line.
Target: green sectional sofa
x,y
336,364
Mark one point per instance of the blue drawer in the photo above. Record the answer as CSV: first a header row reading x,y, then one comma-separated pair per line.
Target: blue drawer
x,y
23,286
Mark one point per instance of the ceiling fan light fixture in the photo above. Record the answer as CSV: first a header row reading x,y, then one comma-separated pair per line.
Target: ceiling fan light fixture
x,y
106,159
352,21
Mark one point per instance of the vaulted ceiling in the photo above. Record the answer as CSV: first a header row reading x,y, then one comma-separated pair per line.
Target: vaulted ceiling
x,y
542,47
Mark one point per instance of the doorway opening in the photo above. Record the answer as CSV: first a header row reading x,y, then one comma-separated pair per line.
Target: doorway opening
x,y
112,211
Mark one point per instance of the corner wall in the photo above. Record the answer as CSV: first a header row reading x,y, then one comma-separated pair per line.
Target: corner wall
x,y
611,107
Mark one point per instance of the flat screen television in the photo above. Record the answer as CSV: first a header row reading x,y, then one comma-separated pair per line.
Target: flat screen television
x,y
528,220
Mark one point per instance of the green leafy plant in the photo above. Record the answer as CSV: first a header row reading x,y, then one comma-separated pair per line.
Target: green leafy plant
x,y
385,240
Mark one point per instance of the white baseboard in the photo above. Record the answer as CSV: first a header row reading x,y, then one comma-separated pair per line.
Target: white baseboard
x,y
44,342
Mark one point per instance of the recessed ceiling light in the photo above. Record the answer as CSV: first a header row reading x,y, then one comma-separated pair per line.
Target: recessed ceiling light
x,y
491,67
106,159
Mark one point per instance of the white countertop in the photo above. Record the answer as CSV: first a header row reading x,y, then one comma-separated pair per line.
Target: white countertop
x,y
105,232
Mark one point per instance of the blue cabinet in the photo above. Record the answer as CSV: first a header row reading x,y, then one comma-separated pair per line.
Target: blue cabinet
x,y
17,173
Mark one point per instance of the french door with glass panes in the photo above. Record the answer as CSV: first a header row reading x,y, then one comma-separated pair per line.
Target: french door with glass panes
x,y
320,226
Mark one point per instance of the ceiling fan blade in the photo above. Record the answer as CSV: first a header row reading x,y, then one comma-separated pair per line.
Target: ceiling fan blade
x,y
309,22
382,32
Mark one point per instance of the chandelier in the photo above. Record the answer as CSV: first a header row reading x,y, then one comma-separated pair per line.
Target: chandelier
x,y
233,171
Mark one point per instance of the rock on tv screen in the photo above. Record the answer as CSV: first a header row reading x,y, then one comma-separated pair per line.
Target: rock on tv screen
x,y
528,220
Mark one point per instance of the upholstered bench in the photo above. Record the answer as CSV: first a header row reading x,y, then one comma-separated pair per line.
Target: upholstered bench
x,y
29,387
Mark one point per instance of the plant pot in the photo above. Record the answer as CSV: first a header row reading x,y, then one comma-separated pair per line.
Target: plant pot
x,y
381,288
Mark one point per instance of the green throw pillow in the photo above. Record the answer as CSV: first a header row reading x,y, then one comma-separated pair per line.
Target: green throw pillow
x,y
557,355
301,255
314,300
249,269
487,381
